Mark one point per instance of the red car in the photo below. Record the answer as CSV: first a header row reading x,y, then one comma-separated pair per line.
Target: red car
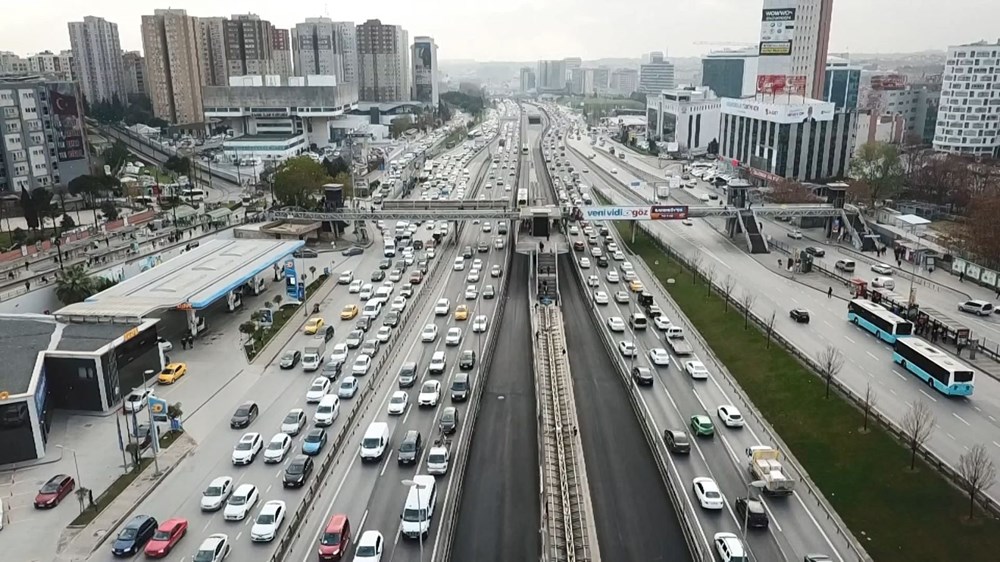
x,y
336,539
167,535
53,492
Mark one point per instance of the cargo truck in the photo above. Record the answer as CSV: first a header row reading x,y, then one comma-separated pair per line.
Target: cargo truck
x,y
765,465
662,191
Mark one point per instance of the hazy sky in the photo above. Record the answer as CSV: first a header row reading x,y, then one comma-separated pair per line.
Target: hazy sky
x,y
536,29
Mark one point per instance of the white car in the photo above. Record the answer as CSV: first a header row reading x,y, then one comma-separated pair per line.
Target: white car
x,y
459,264
277,448
348,387
480,324
241,502
795,235
600,297
438,363
662,323
473,276
612,276
294,421
366,291
593,281
320,386
346,278
137,399
270,518
215,548
339,354
216,494
584,263
696,369
398,403
616,324
355,286
617,255
471,293
369,547
596,251
442,308
708,493
361,364
247,448
659,357
383,334
398,304
354,339
626,348
430,393
882,269
429,333
453,337
574,230
730,416
621,297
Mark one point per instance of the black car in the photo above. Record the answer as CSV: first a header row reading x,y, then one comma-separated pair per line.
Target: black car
x,y
364,323
391,318
378,275
449,420
134,535
800,315
642,375
602,261
244,415
328,333
385,263
677,441
467,252
814,251
752,511
467,360
353,251
410,448
297,471
418,244
290,359
331,369
303,253
489,292
407,374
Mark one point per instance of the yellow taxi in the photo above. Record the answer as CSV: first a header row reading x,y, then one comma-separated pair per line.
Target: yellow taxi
x,y
172,372
462,312
349,312
635,285
313,325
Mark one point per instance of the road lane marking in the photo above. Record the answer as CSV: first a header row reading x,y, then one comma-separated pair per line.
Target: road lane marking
x,y
898,374
849,339
928,395
872,355
961,420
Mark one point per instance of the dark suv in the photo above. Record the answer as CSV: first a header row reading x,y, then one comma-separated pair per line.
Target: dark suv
x,y
677,441
409,449
407,375
467,360
752,511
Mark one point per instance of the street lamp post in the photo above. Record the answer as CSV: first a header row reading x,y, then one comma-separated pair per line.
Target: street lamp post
x,y
420,513
759,484
76,464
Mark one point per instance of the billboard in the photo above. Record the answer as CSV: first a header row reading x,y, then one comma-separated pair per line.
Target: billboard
x,y
777,33
69,121
668,212
158,407
615,213
775,48
780,84
778,112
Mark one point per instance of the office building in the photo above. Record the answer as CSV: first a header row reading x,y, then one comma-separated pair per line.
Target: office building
x,y
383,62
842,83
730,73
589,81
572,63
687,116
527,78
657,75
44,140
425,71
794,43
281,50
968,118
803,139
551,76
97,59
134,66
884,94
170,43
249,46
624,81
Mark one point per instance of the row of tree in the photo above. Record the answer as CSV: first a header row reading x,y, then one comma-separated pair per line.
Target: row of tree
x,y
298,182
74,284
137,109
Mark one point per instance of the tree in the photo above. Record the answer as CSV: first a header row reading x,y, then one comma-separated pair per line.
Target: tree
x,y
444,114
88,187
400,125
877,165
978,473
73,285
984,240
277,300
747,300
41,201
918,424
870,401
175,411
248,328
713,147
115,156
67,222
790,192
830,361
28,208
178,166
109,210
709,279
770,327
299,181
728,284
695,266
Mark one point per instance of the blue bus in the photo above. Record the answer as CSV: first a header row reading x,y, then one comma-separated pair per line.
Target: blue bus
x,y
885,325
935,367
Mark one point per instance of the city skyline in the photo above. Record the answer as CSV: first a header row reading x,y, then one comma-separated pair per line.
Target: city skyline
x,y
553,30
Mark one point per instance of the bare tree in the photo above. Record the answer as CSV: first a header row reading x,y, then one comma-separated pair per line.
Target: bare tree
x,y
728,284
830,362
770,327
695,267
978,474
870,401
709,279
918,424
747,300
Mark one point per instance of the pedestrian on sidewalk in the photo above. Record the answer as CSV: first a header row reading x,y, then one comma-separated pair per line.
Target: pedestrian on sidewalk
x,y
961,277
184,342
829,293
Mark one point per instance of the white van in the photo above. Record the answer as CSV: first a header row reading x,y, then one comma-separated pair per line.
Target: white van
x,y
383,293
980,308
389,248
372,308
327,411
419,507
638,321
375,441
846,266
884,283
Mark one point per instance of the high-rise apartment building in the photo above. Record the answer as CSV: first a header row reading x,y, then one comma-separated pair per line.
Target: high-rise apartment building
x,y
812,43
527,77
730,73
44,141
135,73
624,81
249,45
383,62
968,119
173,69
551,76
97,59
347,40
425,71
318,49
211,50
794,43
842,83
281,50
56,66
657,75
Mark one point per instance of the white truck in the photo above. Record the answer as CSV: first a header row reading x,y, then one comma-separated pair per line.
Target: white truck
x,y
680,346
765,465
662,191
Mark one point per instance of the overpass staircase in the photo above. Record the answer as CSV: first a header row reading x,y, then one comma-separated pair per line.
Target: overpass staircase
x,y
547,277
751,228
860,230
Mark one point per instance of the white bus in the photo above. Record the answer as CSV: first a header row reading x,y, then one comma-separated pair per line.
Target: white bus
x,y
522,197
193,194
524,148
935,367
882,324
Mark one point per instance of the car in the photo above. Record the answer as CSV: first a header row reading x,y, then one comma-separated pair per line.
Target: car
x,y
215,548
616,324
626,348
277,448
496,271
662,323
377,276
354,339
336,539
429,334
328,333
315,441
171,373
687,222
593,281
244,415
313,326
348,387
247,448
407,291
701,426
429,394
795,234
453,337
708,493
410,448
442,307
449,420
584,263
642,376
319,388
407,375
137,400
398,304
331,370
385,263
241,502
480,324
383,334
398,403
882,269
461,312
54,491
166,537
391,319
361,364
370,347
353,251
290,359
579,246
636,286
347,278
489,292
355,287
216,494
677,441
364,323
305,253
349,312
294,421
339,353
621,297
369,547
817,558
800,315
612,276
753,512
473,276
729,547
467,360
730,416
270,518
696,369
814,251
600,297
366,291
134,535
438,363
659,357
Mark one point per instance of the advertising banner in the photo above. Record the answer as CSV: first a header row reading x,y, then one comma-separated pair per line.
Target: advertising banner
x,y
668,212
66,108
158,407
615,213
770,83
796,85
775,48
777,32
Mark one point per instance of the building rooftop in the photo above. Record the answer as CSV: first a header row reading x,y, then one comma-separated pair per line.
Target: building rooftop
x,y
259,138
88,337
22,337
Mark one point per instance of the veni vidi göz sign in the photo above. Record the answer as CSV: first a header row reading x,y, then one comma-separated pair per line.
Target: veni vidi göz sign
x,y
656,212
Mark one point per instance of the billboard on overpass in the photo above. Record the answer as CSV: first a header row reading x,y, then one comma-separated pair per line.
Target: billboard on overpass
x,y
615,213
668,212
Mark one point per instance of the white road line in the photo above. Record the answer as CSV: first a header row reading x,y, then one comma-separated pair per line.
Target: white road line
x,y
849,339
269,486
898,374
992,419
996,444
960,419
928,395
872,355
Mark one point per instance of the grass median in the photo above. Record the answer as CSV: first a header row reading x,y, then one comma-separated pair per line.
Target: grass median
x,y
896,513
107,496
279,318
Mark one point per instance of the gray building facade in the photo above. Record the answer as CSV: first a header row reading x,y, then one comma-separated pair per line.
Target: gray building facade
x,y
425,71
97,59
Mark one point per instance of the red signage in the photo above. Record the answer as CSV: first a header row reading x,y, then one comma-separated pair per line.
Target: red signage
x,y
770,83
668,212
764,175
